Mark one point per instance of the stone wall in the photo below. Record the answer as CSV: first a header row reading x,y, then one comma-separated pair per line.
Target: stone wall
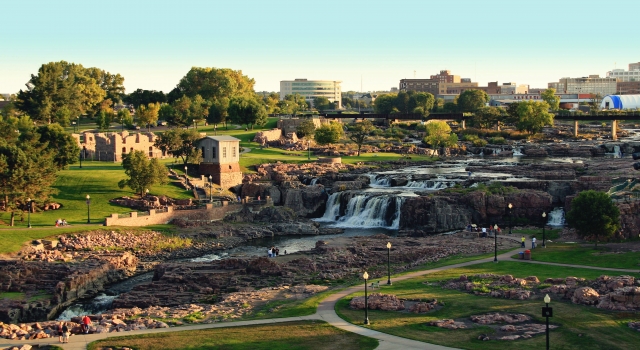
x,y
291,125
153,217
269,135
226,175
112,146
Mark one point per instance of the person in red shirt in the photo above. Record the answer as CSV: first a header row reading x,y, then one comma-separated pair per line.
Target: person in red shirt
x,y
86,322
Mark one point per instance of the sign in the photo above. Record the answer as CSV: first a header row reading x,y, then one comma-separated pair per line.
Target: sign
x,y
547,312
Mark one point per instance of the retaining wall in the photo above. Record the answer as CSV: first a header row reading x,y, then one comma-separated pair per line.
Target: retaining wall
x,y
152,217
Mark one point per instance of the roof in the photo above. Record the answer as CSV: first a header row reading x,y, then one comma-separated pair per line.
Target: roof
x,y
223,138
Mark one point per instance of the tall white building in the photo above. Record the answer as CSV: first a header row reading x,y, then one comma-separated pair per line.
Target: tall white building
x,y
313,88
586,85
633,74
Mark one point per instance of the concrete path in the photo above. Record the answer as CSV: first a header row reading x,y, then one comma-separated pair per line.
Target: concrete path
x,y
326,312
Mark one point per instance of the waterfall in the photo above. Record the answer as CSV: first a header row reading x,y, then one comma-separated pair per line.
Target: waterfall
x,y
379,180
313,181
495,152
364,210
616,152
429,185
97,305
517,151
556,217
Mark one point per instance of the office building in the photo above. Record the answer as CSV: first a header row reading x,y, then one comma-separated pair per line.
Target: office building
x,y
420,85
592,84
310,89
445,76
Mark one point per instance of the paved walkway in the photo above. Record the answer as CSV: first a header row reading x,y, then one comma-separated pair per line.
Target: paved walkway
x,y
326,312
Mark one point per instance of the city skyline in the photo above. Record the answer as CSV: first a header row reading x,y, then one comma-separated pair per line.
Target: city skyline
x,y
154,44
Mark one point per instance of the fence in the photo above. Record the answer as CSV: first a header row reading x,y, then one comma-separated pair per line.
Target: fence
x,y
165,215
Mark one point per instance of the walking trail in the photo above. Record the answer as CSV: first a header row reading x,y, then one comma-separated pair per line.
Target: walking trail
x,y
326,312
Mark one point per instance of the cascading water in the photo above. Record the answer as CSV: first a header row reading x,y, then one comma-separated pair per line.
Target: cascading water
x,y
313,181
616,151
517,151
364,210
429,185
97,305
379,181
556,217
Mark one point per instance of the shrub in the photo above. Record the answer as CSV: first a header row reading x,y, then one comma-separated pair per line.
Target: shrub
x,y
469,137
480,143
497,140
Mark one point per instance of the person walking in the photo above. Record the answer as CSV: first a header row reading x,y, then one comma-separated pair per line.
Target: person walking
x,y
65,333
60,333
523,241
533,242
269,252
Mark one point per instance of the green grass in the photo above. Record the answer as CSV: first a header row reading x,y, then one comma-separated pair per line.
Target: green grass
x,y
599,329
548,234
301,335
586,255
12,295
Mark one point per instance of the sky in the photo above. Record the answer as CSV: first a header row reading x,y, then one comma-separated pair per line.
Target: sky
x,y
368,45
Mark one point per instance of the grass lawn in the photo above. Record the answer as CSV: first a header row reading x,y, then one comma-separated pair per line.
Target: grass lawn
x,y
548,234
581,327
290,335
568,253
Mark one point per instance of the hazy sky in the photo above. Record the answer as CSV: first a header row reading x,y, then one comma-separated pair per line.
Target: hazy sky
x,y
154,43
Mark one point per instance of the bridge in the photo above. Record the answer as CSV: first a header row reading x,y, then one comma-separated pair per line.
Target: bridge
x,y
613,116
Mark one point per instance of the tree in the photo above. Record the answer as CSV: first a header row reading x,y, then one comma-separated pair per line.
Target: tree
x,y
485,117
329,133
292,104
182,112
384,104
247,110
63,84
593,214
199,110
63,146
450,107
148,114
215,83
472,100
439,134
104,120
142,172
125,118
168,114
306,128
402,101
594,101
322,103
179,143
549,96
218,111
359,132
533,116
421,103
144,97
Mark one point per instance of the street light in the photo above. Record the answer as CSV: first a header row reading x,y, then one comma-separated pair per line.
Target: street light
x,y
74,126
510,224
185,173
547,312
365,275
146,192
29,212
544,216
210,188
389,263
308,149
495,241
88,205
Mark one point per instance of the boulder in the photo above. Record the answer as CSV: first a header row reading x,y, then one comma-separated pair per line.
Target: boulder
x,y
585,296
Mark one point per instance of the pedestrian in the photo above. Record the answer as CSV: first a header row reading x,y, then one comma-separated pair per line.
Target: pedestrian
x,y
533,242
523,240
60,333
269,252
277,251
484,232
65,333
499,229
86,322
469,227
285,252
258,198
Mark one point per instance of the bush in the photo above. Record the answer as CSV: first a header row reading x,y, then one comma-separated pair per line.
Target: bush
x,y
469,137
480,143
497,140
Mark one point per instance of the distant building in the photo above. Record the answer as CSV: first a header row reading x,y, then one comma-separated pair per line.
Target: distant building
x,y
445,76
633,74
393,90
420,85
309,89
592,84
111,147
491,88
620,102
628,87
512,88
456,88
221,160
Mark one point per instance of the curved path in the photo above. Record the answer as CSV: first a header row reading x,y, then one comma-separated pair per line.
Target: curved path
x,y
325,312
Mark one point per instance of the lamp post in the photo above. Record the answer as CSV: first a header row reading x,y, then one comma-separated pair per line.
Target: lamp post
x,y
544,216
74,126
88,205
81,154
308,149
29,212
547,312
365,275
146,192
185,173
210,189
510,223
389,263
495,243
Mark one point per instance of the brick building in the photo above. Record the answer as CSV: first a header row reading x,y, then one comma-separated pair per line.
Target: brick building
x,y
628,87
112,146
221,160
445,76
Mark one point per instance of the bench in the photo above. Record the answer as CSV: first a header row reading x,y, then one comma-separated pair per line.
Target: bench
x,y
375,285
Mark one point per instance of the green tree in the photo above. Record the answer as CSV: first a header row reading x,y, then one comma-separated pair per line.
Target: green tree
x,y
63,146
125,118
439,134
142,172
62,84
421,102
385,104
144,97
486,117
104,120
450,107
199,109
533,116
306,128
359,132
549,96
472,100
179,143
322,103
292,104
329,133
594,101
182,112
402,101
218,112
168,114
63,116
593,214
148,115
247,110
215,83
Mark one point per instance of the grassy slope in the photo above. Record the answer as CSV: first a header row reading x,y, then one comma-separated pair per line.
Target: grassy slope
x,y
291,335
576,254
599,329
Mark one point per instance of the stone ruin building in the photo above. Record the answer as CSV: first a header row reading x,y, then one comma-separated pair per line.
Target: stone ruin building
x,y
112,146
221,160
